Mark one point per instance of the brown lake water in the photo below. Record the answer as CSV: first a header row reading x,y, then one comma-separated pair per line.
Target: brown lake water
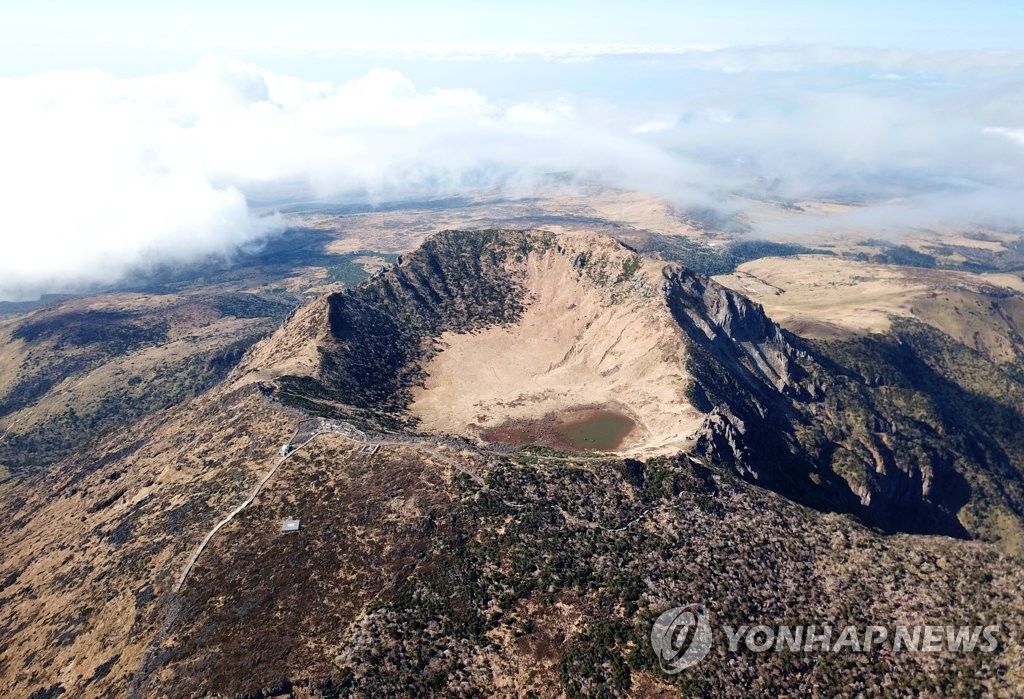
x,y
588,429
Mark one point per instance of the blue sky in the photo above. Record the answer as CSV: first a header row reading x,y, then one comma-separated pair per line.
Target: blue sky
x,y
126,37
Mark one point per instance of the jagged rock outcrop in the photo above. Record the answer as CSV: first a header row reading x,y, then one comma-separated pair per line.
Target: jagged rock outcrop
x,y
873,430
749,377
721,438
730,320
734,325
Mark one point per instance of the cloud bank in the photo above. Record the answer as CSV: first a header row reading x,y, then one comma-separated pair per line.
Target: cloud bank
x,y
101,175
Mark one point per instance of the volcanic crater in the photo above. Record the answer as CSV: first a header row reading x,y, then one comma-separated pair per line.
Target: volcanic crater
x,y
595,360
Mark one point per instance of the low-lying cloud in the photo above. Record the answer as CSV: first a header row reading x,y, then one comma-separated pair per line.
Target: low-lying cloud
x,y
102,175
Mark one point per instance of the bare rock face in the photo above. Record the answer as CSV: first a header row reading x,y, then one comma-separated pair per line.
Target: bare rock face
x,y
734,325
747,377
835,431
721,437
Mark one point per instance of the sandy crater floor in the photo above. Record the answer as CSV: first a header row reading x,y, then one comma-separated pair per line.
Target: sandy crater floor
x,y
579,343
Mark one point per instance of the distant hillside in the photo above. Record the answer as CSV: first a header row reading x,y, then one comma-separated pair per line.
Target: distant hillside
x,y
74,371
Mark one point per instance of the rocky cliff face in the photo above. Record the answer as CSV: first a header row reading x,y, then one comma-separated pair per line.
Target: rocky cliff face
x,y
731,324
881,427
750,377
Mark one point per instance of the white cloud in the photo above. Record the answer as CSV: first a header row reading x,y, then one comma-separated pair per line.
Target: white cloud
x,y
89,189
1014,135
100,175
655,126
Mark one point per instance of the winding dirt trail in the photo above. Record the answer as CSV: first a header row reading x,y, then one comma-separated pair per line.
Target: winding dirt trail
x,y
354,435
245,503
341,430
